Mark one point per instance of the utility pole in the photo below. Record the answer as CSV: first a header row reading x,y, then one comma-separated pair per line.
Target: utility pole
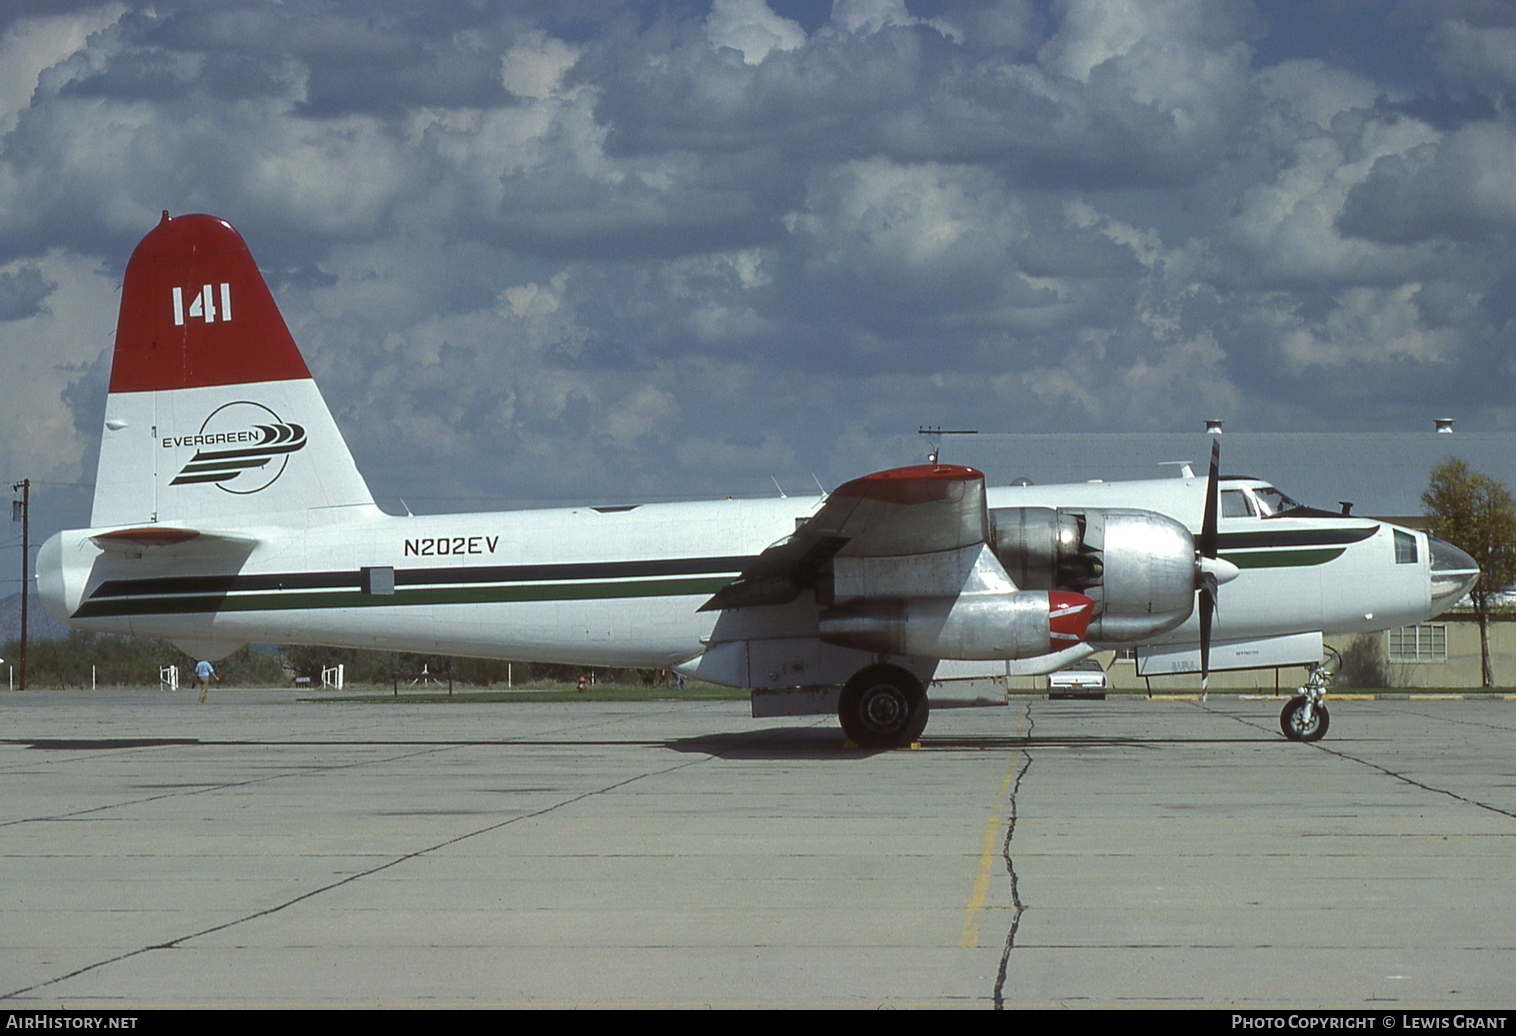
x,y
25,485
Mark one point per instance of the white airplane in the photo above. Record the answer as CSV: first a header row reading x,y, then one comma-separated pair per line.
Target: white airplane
x,y
228,510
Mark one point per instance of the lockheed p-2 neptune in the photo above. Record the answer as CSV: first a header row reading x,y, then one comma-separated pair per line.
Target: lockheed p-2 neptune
x,y
228,509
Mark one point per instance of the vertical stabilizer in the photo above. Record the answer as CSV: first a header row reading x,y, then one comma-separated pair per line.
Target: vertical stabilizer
x,y
212,417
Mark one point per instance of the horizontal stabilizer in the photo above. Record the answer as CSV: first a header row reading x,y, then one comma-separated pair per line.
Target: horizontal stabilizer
x,y
164,541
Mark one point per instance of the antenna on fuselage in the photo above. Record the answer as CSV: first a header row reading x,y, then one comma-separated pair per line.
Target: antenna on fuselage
x,y
937,431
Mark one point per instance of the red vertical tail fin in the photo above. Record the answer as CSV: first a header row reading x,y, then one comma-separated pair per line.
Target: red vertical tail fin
x,y
196,312
212,416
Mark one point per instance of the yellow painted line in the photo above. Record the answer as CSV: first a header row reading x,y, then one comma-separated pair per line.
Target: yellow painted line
x,y
1174,697
969,939
1435,697
1351,697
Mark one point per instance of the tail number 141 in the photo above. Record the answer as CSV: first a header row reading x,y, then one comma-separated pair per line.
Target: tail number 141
x,y
203,304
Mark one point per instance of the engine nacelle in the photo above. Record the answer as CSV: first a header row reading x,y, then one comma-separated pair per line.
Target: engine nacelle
x,y
1137,566
1021,624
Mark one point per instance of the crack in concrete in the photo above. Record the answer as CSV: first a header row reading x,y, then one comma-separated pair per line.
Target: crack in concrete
x,y
1017,907
422,748
1413,782
267,911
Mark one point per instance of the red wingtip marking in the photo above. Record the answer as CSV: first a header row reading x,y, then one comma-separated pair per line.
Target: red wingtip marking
x,y
918,484
169,340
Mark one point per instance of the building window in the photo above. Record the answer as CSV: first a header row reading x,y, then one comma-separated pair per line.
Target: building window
x,y
1424,643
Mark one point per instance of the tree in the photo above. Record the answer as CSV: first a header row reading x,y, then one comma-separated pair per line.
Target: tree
x,y
1475,513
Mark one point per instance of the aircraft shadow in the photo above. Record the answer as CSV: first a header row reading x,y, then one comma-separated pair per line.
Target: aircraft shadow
x,y
814,743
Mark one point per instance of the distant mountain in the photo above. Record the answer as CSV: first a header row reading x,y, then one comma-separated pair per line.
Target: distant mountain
x,y
40,625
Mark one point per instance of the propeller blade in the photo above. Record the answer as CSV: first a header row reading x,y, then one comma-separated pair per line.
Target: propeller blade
x,y
1207,612
1207,566
1207,542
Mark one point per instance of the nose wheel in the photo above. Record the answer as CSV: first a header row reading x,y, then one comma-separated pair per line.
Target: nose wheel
x,y
1305,718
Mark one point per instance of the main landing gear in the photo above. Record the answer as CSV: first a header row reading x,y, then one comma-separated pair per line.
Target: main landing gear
x,y
1305,718
883,706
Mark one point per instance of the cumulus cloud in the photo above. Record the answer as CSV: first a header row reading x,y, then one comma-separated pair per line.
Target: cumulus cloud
x,y
750,27
56,316
22,292
1456,187
1480,58
567,250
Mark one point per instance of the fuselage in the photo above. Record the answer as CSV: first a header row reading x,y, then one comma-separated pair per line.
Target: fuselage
x,y
623,585
605,586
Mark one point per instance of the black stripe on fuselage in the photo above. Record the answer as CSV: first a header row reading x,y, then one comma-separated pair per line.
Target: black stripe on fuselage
x,y
224,584
1293,538
473,574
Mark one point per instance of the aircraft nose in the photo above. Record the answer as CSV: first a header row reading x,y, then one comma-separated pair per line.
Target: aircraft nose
x,y
1454,574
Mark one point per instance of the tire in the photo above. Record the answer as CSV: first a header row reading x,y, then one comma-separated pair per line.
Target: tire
x,y
882,706
1293,728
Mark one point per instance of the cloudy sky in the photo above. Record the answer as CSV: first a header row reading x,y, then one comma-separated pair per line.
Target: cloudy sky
x,y
569,251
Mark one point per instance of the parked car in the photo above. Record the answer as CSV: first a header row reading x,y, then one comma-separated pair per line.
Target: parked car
x,y
1084,679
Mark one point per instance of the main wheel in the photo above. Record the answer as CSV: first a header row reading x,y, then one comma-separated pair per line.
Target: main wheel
x,y
1294,726
882,706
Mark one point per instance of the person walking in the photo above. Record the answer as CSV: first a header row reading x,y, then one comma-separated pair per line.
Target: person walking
x,y
204,674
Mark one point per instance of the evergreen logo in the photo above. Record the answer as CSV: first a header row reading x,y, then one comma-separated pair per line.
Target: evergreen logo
x,y
251,446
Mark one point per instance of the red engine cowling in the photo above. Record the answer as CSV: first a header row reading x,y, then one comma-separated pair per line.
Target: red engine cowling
x,y
1068,618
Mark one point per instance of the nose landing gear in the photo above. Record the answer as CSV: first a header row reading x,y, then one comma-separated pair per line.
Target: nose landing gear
x,y
1305,718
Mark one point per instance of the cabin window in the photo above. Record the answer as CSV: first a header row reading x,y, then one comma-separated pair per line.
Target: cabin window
x,y
1424,643
1405,548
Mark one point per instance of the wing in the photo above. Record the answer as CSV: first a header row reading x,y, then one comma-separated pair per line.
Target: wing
x,y
902,532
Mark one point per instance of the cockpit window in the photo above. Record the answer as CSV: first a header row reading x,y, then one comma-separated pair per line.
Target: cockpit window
x,y
1271,501
1235,504
1405,548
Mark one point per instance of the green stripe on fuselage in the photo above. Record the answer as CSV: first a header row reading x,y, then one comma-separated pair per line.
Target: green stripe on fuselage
x,y
295,601
527,592
1285,558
